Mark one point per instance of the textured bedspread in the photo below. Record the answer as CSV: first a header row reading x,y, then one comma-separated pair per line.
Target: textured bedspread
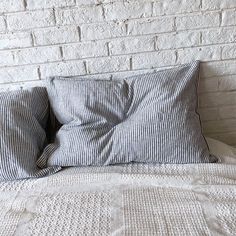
x,y
123,200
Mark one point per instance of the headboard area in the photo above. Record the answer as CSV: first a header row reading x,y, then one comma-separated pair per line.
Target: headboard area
x,y
115,38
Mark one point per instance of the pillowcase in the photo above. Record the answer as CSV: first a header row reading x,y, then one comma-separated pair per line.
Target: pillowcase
x,y
148,118
23,119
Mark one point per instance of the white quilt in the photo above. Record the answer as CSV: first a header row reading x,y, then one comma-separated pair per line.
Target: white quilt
x,y
123,200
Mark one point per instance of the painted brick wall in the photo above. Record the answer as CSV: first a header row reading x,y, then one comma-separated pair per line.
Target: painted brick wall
x,y
114,38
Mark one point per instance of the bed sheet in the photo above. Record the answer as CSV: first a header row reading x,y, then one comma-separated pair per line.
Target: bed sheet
x,y
134,199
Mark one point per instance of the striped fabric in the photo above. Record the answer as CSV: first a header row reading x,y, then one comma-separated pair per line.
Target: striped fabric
x,y
23,119
148,118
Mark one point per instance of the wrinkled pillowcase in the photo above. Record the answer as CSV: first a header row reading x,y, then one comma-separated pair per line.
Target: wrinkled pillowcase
x,y
23,119
149,118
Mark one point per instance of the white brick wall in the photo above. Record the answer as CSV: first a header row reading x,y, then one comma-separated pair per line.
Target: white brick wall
x,y
15,40
126,10
30,20
116,38
176,7
11,6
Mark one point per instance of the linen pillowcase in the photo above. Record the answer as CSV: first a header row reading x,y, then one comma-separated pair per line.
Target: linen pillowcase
x,y
89,110
23,119
148,118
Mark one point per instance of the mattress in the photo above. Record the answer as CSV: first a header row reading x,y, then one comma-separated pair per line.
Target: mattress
x,y
134,199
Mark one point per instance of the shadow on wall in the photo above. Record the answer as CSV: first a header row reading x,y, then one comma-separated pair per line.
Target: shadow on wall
x,y
217,100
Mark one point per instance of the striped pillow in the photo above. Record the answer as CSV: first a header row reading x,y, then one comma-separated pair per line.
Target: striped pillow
x,y
23,119
147,118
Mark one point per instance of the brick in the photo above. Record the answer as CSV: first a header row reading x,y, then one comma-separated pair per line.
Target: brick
x,y
18,74
198,21
127,10
30,20
85,50
56,35
21,85
154,59
229,17
178,40
227,83
207,114
103,30
227,112
15,40
175,7
210,53
37,55
125,74
79,15
150,26
2,24
217,99
208,85
62,69
227,137
11,6
96,2
131,45
209,100
39,4
6,58
220,126
227,98
217,4
87,2
221,35
212,69
229,52
103,65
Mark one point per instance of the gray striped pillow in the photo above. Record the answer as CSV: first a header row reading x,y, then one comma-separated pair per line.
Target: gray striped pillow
x,y
23,119
146,118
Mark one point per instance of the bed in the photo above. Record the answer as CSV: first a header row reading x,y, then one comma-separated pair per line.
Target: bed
x,y
128,158
131,199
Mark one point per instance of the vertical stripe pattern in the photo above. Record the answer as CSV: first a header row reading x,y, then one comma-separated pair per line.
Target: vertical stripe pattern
x,y
147,118
23,118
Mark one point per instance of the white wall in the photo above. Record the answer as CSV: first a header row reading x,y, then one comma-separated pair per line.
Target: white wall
x,y
40,38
